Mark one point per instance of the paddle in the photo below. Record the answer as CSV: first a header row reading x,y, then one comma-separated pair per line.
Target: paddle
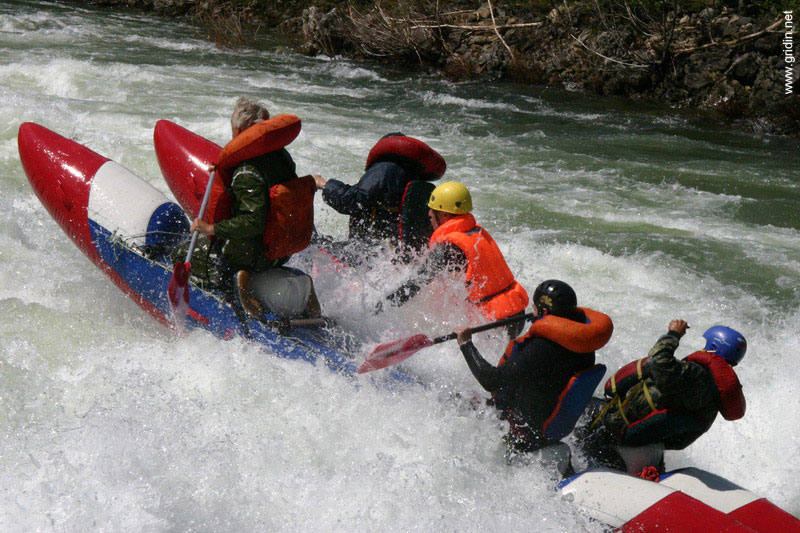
x,y
178,288
394,352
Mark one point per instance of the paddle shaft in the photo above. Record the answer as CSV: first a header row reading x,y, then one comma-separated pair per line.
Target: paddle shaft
x,y
202,212
299,322
486,327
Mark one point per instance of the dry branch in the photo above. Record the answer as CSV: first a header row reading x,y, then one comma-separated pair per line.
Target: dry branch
x,y
479,27
735,42
494,23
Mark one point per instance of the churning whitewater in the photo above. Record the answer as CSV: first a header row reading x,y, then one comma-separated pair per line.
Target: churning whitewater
x,y
110,422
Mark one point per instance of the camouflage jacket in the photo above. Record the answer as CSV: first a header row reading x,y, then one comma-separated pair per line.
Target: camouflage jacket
x,y
672,384
241,235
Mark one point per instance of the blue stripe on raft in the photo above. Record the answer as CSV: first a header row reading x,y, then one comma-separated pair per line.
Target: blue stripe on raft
x,y
167,225
149,280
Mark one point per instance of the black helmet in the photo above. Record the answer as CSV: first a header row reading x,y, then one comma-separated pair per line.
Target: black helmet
x,y
555,296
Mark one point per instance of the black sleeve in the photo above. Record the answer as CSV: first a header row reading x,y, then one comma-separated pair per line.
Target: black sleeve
x,y
446,257
493,378
379,185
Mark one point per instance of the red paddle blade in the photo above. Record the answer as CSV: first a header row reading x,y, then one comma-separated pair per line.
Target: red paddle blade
x,y
391,353
178,293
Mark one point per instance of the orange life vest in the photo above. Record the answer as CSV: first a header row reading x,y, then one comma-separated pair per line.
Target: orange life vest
x,y
290,220
490,283
578,337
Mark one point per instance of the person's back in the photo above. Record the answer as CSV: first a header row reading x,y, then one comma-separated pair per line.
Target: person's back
x,y
663,401
376,202
542,369
536,368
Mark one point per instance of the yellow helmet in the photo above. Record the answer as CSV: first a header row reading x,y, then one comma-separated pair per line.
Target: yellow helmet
x,y
451,197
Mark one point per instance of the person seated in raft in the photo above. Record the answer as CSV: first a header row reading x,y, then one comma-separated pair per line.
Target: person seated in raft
x,y
661,402
259,214
459,245
531,382
388,201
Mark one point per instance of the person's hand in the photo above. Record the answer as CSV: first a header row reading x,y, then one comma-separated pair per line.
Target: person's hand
x,y
320,181
463,336
678,326
203,227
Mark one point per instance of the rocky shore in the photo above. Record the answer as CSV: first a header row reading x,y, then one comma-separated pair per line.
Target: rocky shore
x,y
715,59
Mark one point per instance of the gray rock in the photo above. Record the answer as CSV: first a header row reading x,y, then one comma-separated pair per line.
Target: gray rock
x,y
745,68
696,80
707,13
769,45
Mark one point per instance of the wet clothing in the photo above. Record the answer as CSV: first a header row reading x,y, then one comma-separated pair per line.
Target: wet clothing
x,y
373,203
443,259
681,387
526,387
238,241
490,283
243,232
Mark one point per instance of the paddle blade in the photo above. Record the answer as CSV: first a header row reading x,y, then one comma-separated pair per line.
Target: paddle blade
x,y
178,293
391,353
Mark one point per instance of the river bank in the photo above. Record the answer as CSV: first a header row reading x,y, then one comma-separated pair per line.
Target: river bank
x,y
715,59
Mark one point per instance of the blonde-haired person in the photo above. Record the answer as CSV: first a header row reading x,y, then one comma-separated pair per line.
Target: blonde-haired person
x,y
238,241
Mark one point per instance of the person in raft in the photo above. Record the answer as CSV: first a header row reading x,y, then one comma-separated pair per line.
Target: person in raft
x,y
259,214
530,383
660,402
459,245
389,201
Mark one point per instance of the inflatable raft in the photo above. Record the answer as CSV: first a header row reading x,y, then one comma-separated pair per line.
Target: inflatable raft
x,y
684,500
687,500
120,222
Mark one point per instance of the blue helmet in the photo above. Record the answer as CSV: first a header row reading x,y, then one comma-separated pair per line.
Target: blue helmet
x,y
726,343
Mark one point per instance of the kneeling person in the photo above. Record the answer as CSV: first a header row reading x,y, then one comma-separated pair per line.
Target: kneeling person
x,y
661,402
460,245
546,377
260,212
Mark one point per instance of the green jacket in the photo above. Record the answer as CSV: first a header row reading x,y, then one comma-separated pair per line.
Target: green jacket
x,y
672,384
242,235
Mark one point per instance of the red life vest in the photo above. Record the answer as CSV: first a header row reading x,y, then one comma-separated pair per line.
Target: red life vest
x,y
290,219
430,164
490,283
732,401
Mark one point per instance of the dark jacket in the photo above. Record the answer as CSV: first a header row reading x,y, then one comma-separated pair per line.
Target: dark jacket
x,y
672,384
242,234
372,203
527,386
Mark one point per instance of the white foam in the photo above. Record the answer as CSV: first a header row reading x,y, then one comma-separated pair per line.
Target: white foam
x,y
113,424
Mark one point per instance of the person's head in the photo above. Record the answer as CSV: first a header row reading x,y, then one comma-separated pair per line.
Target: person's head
x,y
246,112
726,343
448,200
554,297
